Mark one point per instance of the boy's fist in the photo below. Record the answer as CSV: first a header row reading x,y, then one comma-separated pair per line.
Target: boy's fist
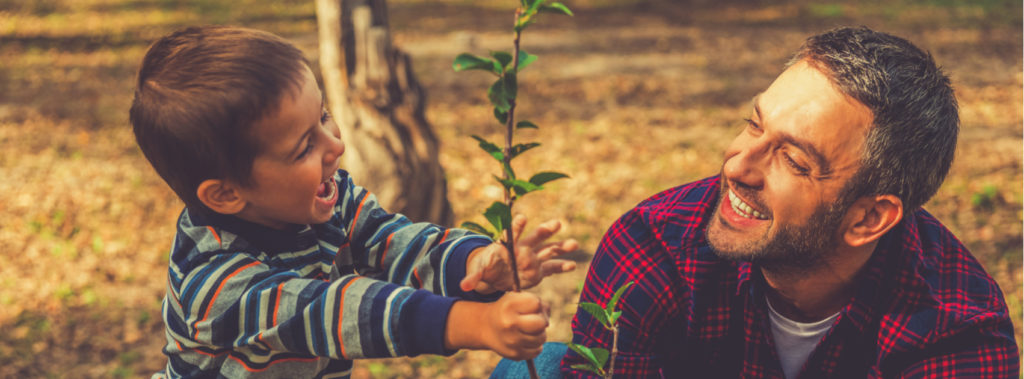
x,y
488,269
514,326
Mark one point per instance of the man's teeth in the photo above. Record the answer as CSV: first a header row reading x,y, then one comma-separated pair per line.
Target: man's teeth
x,y
743,209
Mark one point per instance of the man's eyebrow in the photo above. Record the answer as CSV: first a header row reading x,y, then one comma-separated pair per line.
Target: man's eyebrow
x,y
823,164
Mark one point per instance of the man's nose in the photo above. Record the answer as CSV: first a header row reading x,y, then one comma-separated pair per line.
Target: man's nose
x,y
747,166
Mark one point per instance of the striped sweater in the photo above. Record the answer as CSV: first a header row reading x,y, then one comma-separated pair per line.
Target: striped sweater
x,y
245,300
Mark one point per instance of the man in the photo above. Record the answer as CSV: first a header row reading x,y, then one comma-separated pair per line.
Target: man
x,y
809,256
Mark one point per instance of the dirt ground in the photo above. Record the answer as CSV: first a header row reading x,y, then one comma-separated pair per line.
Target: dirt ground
x,y
632,97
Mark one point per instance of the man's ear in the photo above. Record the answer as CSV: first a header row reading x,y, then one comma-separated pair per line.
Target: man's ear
x,y
220,196
870,217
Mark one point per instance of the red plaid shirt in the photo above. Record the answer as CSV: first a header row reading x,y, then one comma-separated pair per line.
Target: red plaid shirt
x,y
924,308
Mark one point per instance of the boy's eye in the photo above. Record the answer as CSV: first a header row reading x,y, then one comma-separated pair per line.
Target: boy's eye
x,y
325,115
307,150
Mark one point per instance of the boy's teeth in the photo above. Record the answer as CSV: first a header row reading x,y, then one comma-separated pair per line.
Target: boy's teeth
x,y
743,209
326,190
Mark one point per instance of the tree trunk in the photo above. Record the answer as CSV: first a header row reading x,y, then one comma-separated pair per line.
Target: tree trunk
x,y
375,98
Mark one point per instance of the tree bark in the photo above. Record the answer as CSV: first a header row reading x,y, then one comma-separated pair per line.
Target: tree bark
x,y
379,105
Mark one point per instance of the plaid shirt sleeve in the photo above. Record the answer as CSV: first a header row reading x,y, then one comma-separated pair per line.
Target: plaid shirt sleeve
x,y
982,351
628,252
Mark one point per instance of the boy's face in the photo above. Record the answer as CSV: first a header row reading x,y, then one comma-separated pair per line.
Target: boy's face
x,y
301,148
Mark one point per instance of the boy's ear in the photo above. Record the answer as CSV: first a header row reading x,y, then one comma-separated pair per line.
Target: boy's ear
x,y
220,196
870,217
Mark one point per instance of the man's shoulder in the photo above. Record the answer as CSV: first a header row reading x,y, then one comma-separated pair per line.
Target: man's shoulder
x,y
673,218
687,205
943,275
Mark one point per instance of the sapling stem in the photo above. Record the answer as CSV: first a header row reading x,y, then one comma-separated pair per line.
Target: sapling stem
x,y
502,95
615,351
510,242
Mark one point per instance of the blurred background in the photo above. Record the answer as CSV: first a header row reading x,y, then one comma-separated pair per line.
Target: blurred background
x,y
632,97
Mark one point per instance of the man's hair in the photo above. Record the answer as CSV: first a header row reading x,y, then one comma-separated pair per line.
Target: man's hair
x,y
912,139
199,92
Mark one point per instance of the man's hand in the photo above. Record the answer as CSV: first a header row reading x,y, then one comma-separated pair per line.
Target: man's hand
x,y
514,326
488,268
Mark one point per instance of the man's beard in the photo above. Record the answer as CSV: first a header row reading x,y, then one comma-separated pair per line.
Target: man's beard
x,y
792,249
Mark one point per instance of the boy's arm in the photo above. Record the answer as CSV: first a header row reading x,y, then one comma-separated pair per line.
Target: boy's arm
x,y
233,302
419,255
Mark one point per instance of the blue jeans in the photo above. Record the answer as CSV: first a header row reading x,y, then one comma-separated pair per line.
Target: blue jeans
x,y
548,364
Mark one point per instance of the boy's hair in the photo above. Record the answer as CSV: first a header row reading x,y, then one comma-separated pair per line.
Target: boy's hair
x,y
199,92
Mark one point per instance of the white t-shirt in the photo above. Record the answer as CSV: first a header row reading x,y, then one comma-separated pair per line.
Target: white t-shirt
x,y
794,341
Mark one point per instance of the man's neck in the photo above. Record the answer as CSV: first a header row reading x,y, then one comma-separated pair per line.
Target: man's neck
x,y
817,293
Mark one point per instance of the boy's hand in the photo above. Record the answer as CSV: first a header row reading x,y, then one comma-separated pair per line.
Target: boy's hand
x,y
514,326
488,268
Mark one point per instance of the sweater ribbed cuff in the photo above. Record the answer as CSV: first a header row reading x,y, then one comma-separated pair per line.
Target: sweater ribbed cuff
x,y
456,271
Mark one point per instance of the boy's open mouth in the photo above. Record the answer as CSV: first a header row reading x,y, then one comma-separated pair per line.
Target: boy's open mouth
x,y
328,189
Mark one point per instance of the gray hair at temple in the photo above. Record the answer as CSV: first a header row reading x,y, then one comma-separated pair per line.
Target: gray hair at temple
x,y
912,139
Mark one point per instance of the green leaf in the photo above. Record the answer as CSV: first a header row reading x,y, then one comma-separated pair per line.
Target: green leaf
x,y
525,59
490,148
503,58
588,367
507,166
502,117
496,93
615,298
556,7
543,177
511,85
601,355
525,124
521,187
598,313
499,215
466,61
474,227
521,148
615,317
586,353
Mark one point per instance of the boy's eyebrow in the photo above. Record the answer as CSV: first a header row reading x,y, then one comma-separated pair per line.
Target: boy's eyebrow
x,y
298,144
823,164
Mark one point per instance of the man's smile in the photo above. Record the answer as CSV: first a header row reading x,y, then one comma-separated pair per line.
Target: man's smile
x,y
742,208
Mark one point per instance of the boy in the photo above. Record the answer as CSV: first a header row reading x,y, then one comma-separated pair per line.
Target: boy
x,y
281,266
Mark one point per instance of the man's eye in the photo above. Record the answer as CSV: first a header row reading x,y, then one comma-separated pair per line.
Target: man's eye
x,y
800,169
751,124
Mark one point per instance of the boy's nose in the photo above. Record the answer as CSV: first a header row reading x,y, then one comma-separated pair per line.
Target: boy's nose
x,y
334,152
335,148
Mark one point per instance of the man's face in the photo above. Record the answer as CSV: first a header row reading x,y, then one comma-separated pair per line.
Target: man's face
x,y
785,171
